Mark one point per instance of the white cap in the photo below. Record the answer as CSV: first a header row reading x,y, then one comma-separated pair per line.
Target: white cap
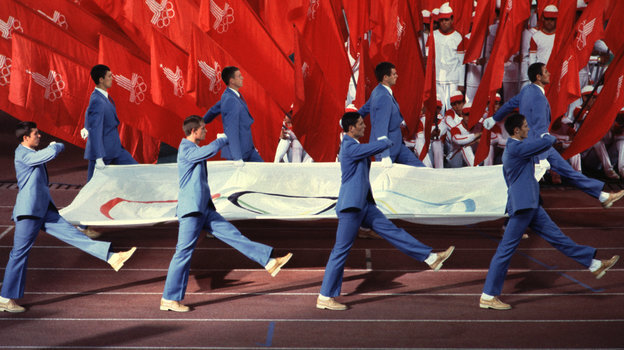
x,y
426,13
550,11
445,11
581,4
457,96
351,108
497,97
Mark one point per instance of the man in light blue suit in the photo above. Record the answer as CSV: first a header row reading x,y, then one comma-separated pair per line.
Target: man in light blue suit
x,y
100,130
34,211
525,210
386,118
356,207
236,119
532,103
196,211
101,123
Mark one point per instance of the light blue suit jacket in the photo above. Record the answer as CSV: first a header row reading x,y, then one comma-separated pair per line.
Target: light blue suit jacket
x,y
355,189
531,103
33,197
194,195
236,124
385,117
519,161
101,122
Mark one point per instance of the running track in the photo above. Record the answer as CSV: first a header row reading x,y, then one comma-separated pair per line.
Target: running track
x,y
75,301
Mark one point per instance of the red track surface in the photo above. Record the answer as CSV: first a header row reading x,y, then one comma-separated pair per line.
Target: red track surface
x,y
77,301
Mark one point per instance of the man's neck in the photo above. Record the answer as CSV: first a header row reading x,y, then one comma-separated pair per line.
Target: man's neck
x,y
233,88
102,87
353,137
27,146
517,138
193,139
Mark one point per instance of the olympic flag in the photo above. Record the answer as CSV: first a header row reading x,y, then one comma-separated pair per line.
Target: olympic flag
x,y
147,194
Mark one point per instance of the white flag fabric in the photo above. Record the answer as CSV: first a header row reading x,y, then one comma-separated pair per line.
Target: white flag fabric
x,y
121,195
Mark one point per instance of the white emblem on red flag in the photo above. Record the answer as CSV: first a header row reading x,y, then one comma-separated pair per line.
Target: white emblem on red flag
x,y
312,8
162,11
136,86
564,71
175,79
400,27
5,70
8,27
223,16
619,87
584,29
212,73
57,18
53,84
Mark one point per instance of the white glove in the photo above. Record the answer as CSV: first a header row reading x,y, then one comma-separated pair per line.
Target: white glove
x,y
99,164
544,164
386,162
489,123
403,123
84,133
239,163
221,136
52,143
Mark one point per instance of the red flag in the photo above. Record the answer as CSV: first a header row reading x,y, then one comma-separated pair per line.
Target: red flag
x,y
172,19
430,95
133,96
78,22
168,71
507,42
323,37
316,116
615,28
144,148
565,22
462,15
35,25
484,17
48,83
238,30
564,83
357,13
278,23
604,110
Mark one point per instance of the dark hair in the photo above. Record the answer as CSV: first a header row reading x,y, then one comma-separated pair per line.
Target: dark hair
x,y
98,71
349,119
534,70
383,69
514,121
24,129
192,122
228,73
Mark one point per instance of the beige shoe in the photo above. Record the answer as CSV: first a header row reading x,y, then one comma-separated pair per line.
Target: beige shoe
x,y
442,256
89,232
330,304
117,260
11,306
495,304
277,265
173,305
613,197
605,265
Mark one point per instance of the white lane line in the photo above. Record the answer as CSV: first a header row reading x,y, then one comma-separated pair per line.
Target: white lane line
x,y
321,270
304,248
415,294
303,320
369,261
4,233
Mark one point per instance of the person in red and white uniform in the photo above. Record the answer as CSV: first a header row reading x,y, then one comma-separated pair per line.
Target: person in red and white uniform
x,y
542,41
449,57
512,67
527,34
289,149
498,136
436,143
423,35
458,136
